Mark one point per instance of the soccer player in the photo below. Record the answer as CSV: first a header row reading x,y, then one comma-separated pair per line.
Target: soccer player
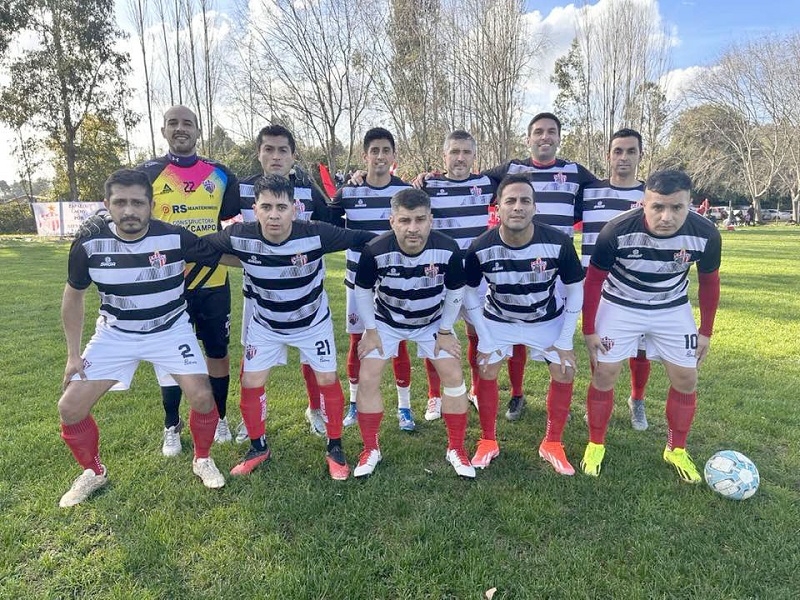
x,y
559,186
277,152
196,193
137,265
366,208
602,201
521,261
283,259
409,285
640,267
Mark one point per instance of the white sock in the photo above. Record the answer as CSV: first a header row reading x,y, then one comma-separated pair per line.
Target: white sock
x,y
353,391
403,397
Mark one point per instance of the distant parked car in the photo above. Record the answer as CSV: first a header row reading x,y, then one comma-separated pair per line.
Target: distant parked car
x,y
769,215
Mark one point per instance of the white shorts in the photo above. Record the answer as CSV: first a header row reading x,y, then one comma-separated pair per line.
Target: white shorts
x,y
536,336
115,354
424,337
248,309
354,322
670,334
266,349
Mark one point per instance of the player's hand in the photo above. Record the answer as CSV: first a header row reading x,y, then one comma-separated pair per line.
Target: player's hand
x,y
358,177
449,343
594,345
74,367
703,345
370,341
419,181
93,225
484,355
565,357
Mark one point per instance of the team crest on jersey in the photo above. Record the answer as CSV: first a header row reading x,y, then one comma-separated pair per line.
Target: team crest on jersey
x,y
497,267
607,342
250,351
560,178
538,265
475,190
300,260
157,259
352,318
682,257
637,204
431,270
209,186
299,206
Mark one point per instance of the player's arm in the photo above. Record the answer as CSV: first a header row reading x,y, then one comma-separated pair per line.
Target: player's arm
x,y
586,178
335,239
72,314
708,293
231,200
454,282
336,210
571,274
366,278
497,173
602,260
210,250
321,211
473,306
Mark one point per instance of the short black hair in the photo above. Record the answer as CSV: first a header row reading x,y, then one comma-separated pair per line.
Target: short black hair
x,y
410,198
623,133
378,133
275,131
544,115
459,135
128,177
275,184
668,181
512,179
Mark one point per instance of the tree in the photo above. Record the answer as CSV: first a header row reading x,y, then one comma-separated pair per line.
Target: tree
x,y
139,13
13,17
75,56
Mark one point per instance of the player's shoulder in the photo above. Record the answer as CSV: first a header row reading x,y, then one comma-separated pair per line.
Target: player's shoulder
x,y
702,226
158,227
154,166
213,163
629,221
599,184
437,239
250,180
542,232
490,237
383,242
397,182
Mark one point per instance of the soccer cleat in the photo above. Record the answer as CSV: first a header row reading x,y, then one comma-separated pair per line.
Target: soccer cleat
x,y
252,459
484,453
638,416
434,410
367,462
86,484
592,459
351,418
405,419
223,433
458,459
337,464
553,452
680,459
208,472
172,440
515,408
241,433
315,420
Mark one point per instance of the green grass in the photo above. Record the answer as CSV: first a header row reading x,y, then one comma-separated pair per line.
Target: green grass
x,y
413,530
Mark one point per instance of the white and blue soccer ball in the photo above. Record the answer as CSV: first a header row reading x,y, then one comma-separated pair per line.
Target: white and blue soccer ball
x,y
732,474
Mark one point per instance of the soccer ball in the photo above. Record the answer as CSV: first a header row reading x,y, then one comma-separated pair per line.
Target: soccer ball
x,y
732,475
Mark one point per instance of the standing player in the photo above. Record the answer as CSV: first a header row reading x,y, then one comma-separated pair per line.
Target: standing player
x,y
641,263
559,186
196,193
277,151
137,265
409,286
602,201
283,259
521,261
366,208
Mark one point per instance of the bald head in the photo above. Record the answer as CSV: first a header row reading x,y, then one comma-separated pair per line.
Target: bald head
x,y
180,130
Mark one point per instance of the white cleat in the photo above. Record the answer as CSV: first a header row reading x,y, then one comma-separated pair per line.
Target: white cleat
x,y
367,462
172,440
84,486
223,433
458,459
206,470
434,409
316,422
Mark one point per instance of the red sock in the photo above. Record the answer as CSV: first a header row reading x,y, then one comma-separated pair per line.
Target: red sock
x,y
402,366
353,362
472,357
253,405
332,403
311,386
559,397
370,425
203,426
456,424
487,408
516,369
83,440
434,383
599,406
640,373
680,414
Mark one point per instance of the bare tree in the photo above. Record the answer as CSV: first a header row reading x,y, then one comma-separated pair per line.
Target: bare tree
x,y
139,11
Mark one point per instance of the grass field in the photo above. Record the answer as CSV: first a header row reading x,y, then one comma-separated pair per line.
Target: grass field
x,y
413,530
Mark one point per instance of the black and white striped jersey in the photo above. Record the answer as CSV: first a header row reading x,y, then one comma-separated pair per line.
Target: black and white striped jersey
x,y
650,272
309,201
286,279
461,208
601,203
521,281
363,208
410,290
141,283
558,189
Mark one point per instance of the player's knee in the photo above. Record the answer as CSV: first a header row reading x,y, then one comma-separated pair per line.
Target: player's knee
x,y
684,380
325,377
568,376
217,350
605,375
489,372
70,411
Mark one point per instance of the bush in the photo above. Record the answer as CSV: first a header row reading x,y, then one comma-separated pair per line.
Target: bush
x,y
16,217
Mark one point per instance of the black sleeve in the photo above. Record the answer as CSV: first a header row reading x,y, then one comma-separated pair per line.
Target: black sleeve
x,y
605,248
205,251
335,239
569,265
454,277
321,211
472,267
367,270
585,178
337,210
712,255
78,266
231,201
497,173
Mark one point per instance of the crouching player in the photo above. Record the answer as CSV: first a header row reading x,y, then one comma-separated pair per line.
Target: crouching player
x,y
409,285
640,267
137,265
284,266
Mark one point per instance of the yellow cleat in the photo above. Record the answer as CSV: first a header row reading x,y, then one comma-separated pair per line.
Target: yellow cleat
x,y
680,459
593,459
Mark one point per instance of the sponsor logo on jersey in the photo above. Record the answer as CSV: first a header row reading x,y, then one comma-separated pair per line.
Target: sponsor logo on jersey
x,y
441,192
254,260
250,351
637,204
352,318
107,262
209,186
607,342
539,265
560,178
431,270
360,203
599,204
634,254
300,260
682,257
157,259
393,272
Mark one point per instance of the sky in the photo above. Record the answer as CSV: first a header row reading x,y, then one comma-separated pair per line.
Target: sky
x,y
701,30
